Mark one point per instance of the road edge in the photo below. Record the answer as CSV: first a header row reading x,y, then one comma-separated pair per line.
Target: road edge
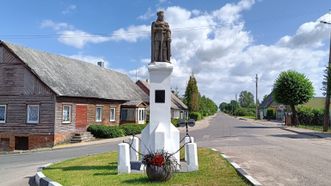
x,y
239,170
41,179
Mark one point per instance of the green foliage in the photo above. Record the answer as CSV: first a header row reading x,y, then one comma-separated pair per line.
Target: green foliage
x,y
132,129
310,116
102,131
244,112
175,122
246,99
270,114
207,106
192,95
292,88
195,115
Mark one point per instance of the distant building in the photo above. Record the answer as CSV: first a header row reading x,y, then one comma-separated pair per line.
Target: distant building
x,y
269,104
178,109
46,98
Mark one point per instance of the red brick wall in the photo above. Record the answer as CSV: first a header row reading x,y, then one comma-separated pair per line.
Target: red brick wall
x,y
35,140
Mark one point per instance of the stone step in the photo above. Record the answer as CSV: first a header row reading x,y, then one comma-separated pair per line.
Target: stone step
x,y
80,137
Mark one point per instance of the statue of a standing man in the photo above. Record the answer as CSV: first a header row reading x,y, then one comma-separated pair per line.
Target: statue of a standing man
x,y
161,39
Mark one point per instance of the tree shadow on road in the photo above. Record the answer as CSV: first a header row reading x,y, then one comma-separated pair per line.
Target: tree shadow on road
x,y
295,136
256,127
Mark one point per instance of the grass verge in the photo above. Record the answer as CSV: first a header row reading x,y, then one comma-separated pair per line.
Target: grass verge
x,y
101,169
313,127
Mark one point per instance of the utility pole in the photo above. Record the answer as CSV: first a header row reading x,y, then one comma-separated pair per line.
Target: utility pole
x,y
327,97
256,97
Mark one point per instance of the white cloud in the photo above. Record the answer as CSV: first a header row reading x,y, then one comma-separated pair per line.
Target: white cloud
x,y
310,34
131,34
71,36
69,9
147,15
220,51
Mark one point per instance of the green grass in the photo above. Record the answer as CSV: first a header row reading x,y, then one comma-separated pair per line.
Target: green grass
x,y
101,170
317,103
248,117
313,127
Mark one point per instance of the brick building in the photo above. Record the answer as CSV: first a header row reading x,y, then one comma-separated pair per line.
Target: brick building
x,y
45,98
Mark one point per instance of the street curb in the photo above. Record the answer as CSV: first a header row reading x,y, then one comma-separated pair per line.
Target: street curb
x,y
239,170
41,180
303,133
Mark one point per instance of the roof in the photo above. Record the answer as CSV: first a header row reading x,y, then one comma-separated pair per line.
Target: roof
x,y
75,78
176,103
267,101
134,103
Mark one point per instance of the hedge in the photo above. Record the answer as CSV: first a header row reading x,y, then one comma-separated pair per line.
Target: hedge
x,y
196,116
270,114
310,116
132,129
102,131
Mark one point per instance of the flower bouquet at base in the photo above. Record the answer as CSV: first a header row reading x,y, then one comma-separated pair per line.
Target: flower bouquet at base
x,y
160,166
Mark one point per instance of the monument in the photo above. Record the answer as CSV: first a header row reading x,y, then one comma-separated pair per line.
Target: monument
x,y
160,134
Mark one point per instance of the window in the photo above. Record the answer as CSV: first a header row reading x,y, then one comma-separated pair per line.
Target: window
x,y
112,114
33,114
66,115
3,113
98,114
141,114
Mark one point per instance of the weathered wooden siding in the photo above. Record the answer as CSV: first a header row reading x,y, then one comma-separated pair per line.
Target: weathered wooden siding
x,y
18,88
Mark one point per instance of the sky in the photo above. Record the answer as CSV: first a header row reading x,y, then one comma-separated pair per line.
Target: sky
x,y
224,43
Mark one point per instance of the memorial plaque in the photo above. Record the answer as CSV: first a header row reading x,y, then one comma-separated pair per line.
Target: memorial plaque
x,y
159,96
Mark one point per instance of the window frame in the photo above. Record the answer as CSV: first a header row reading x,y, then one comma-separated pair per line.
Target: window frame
x,y
28,113
5,114
96,113
141,114
70,113
110,113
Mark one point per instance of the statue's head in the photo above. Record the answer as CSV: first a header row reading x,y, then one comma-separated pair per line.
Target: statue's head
x,y
160,15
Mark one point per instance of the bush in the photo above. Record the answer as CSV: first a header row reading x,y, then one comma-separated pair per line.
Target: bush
x,y
175,122
245,112
310,116
195,115
132,129
101,131
270,114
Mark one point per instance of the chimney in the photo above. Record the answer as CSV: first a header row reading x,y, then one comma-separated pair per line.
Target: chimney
x,y
101,64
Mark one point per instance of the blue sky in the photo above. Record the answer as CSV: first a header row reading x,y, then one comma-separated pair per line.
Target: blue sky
x,y
117,32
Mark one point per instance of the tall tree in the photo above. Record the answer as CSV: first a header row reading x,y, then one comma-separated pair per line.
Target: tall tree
x,y
192,95
246,99
292,88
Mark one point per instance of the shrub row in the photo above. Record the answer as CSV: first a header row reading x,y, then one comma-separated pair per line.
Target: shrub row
x,y
196,116
102,131
241,111
310,116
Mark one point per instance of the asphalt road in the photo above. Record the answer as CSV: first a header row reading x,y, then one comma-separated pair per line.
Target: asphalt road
x,y
271,155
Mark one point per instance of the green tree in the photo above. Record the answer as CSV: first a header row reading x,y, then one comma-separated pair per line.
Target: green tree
x,y
223,106
207,106
246,99
192,95
292,88
233,106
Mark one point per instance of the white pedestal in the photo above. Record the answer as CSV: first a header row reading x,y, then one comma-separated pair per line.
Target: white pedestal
x,y
160,134
187,140
192,159
134,156
123,166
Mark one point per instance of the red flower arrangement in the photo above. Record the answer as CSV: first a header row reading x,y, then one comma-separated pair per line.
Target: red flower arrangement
x,y
159,166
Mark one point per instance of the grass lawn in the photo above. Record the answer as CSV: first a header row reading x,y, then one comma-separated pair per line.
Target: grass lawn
x,y
101,170
248,117
313,127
